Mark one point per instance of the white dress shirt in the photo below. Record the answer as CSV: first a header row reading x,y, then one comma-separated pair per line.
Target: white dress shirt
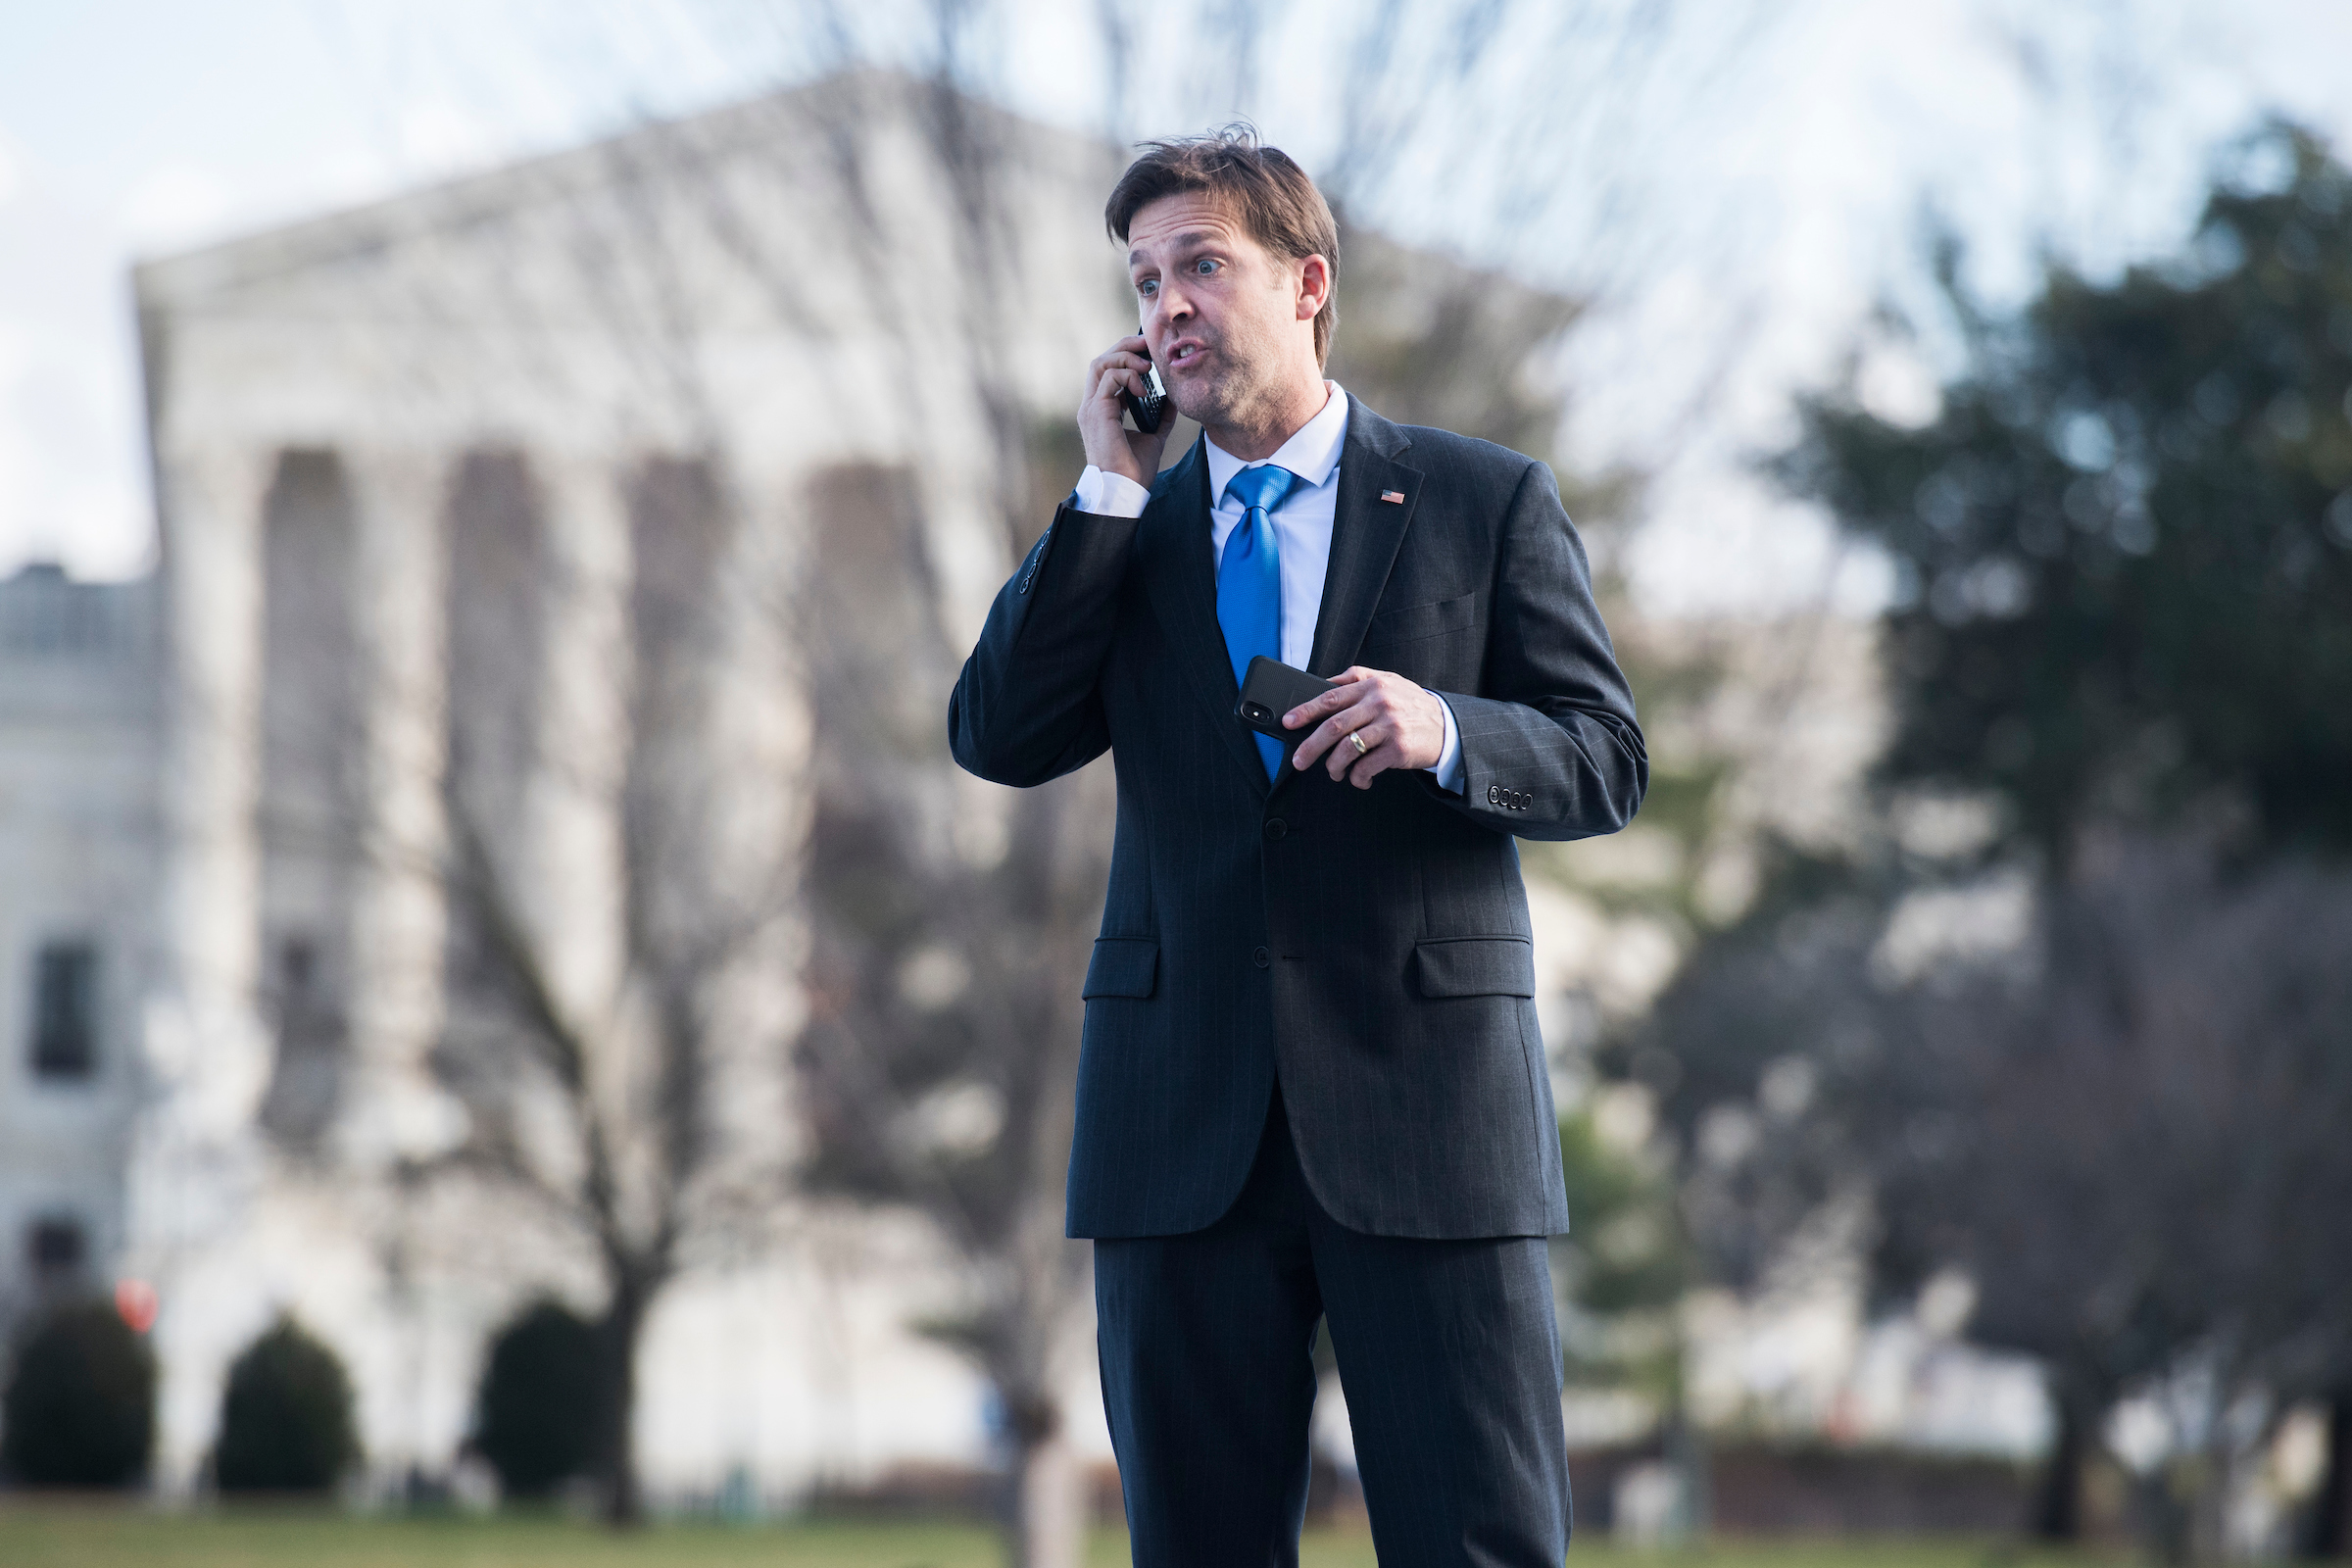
x,y
1302,527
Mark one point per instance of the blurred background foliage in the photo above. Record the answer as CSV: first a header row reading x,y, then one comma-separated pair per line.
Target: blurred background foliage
x,y
286,1424
2125,543
534,1417
2070,1020
79,1408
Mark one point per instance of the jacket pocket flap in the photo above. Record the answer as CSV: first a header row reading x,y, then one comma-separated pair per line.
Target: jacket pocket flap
x,y
1122,966
1477,967
1412,622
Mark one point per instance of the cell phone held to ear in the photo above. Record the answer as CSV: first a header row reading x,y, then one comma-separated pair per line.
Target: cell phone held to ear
x,y
1270,689
1148,409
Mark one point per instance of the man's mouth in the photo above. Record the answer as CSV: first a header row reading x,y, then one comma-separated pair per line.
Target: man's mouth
x,y
1183,354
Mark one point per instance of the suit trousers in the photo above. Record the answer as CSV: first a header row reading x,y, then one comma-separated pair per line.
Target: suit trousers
x,y
1448,1350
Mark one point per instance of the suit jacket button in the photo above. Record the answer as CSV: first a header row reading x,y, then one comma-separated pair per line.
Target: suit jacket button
x,y
1494,793
1276,827
1261,957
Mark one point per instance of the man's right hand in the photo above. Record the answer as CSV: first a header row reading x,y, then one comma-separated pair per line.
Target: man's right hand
x,y
1109,445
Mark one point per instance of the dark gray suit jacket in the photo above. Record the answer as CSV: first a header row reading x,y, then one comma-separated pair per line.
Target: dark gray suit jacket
x,y
1371,946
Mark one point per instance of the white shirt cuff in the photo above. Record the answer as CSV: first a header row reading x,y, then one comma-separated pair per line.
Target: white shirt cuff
x,y
1109,495
1448,771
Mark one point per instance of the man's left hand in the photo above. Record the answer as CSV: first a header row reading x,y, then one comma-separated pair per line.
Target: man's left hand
x,y
1399,725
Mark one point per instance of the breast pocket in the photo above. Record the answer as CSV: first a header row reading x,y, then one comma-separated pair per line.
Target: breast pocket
x,y
1412,623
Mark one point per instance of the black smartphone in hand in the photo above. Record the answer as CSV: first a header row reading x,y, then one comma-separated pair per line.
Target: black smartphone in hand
x,y
1148,409
1270,689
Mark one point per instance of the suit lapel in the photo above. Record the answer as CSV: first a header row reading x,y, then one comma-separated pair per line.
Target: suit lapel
x,y
1365,534
1180,576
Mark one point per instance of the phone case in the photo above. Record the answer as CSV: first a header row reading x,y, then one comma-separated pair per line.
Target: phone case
x,y
1270,689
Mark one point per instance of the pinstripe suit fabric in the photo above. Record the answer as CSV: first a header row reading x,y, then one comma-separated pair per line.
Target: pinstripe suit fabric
x,y
1311,1083
1372,947
1447,1349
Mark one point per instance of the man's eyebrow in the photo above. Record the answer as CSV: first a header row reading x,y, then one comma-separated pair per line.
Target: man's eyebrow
x,y
1189,240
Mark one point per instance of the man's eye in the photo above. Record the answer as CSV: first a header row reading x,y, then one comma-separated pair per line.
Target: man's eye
x,y
1205,266
1147,287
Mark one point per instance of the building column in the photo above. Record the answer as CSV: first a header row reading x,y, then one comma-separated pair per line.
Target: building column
x,y
761,735
196,1161
209,1060
391,1110
570,881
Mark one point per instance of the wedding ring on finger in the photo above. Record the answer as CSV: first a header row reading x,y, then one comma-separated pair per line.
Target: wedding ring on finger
x,y
1356,738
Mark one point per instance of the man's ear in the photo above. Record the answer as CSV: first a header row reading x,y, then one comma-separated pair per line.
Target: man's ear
x,y
1314,286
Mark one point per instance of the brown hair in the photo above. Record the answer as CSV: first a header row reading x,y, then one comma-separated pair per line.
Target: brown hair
x,y
1277,203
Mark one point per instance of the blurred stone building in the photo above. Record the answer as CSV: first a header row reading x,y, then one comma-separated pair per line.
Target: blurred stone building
x,y
79,854
488,515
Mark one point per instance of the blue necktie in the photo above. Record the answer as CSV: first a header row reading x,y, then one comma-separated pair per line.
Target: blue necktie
x,y
1249,581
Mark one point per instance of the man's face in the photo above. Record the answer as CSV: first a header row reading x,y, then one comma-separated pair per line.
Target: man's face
x,y
1220,311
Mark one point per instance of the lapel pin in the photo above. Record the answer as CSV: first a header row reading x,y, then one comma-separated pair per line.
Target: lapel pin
x,y
1397,496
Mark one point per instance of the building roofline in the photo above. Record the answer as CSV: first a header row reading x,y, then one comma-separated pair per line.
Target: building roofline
x,y
456,203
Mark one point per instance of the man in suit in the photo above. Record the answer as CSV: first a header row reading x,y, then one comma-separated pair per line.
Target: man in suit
x,y
1311,1084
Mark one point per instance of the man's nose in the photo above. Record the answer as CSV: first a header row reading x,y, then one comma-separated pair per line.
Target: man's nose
x,y
1171,306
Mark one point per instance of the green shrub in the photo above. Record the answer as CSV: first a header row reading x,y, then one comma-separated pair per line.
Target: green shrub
x,y
80,1409
538,1403
285,1417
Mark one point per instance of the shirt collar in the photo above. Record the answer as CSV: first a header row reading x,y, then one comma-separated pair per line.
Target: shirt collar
x,y
1312,453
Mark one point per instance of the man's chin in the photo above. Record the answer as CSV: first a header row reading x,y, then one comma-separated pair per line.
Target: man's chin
x,y
1204,402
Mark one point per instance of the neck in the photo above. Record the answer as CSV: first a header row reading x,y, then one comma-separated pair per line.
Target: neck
x,y
1260,432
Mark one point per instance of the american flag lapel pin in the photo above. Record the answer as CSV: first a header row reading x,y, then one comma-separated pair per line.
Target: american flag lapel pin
x,y
1397,496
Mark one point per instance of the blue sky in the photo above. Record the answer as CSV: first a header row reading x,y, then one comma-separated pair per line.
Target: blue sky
x,y
1773,208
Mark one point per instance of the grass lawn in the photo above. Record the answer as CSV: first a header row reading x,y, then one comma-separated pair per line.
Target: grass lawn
x,y
47,1533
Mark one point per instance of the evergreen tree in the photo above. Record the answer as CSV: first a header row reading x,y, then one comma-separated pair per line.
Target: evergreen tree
x,y
2124,555
2126,542
79,1411
538,1402
286,1416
